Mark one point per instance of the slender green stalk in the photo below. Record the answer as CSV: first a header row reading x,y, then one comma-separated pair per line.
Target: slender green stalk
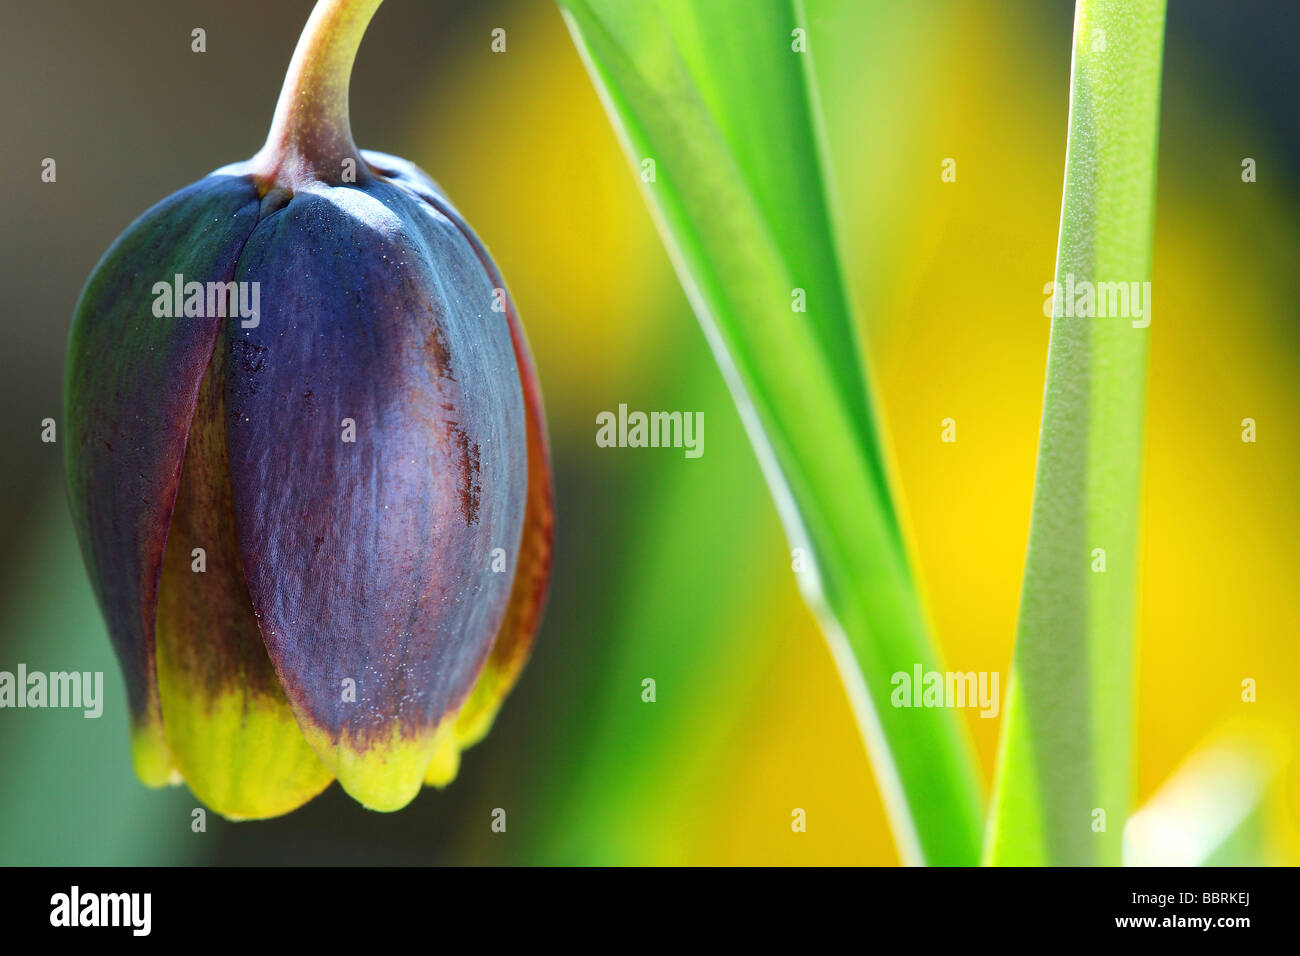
x,y
716,108
1064,780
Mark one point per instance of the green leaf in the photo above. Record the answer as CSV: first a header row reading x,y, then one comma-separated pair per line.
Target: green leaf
x,y
1067,745
715,106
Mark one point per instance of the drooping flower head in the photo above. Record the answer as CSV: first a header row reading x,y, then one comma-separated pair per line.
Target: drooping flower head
x,y
308,466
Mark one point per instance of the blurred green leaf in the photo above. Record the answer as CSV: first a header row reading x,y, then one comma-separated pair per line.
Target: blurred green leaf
x,y
70,796
715,106
1215,809
1067,744
630,766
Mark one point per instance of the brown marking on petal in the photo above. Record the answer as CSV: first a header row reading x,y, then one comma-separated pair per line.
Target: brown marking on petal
x,y
436,343
471,487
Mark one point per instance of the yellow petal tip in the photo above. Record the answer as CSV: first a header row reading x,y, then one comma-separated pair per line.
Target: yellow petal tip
x,y
446,759
150,756
383,773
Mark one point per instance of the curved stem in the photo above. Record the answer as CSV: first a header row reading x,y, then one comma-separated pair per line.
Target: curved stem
x,y
311,133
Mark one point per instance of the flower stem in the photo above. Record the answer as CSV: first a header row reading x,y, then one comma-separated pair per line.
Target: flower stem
x,y
311,133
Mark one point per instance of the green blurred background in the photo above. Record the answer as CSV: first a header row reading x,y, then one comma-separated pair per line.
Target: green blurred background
x,y
667,567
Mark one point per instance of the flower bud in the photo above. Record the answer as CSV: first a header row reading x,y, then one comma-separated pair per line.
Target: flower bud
x,y
308,466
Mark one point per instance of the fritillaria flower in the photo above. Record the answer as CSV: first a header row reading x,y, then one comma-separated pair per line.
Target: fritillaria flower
x,y
308,466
